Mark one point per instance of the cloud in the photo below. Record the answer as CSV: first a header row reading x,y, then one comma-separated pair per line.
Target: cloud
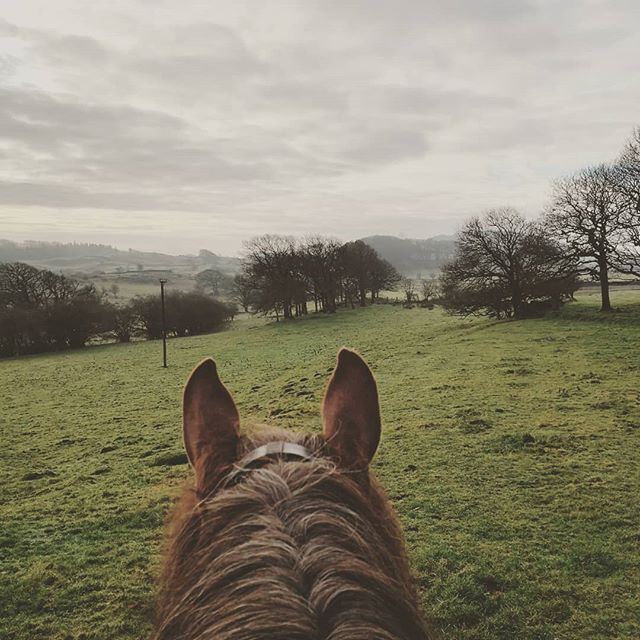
x,y
377,145
203,58
320,116
115,158
71,50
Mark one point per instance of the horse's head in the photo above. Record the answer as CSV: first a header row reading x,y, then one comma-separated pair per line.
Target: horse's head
x,y
287,535
219,452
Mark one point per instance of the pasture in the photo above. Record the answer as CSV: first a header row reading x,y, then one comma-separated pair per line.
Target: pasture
x,y
510,449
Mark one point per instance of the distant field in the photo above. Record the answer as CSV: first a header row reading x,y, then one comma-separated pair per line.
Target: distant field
x,y
127,287
511,450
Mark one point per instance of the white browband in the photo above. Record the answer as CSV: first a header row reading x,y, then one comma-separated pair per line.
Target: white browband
x,y
282,449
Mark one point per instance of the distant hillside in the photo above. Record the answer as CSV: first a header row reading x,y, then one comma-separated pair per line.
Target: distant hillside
x,y
414,256
407,255
99,258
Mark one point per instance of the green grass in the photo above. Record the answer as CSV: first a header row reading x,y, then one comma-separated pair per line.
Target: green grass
x,y
129,288
511,451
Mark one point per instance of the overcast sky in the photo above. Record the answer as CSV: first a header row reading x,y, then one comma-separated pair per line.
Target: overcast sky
x,y
184,125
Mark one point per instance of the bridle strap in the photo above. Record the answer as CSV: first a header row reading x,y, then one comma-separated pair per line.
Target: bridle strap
x,y
275,449
282,449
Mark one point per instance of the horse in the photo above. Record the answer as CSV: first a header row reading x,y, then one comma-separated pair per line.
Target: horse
x,y
285,536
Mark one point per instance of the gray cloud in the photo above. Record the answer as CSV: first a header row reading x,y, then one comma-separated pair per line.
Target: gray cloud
x,y
71,50
43,194
203,57
116,145
264,115
377,145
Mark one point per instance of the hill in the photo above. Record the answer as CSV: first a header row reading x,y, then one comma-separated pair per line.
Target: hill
x,y
407,255
518,495
414,256
91,259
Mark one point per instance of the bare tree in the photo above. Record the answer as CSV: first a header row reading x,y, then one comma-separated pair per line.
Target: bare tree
x,y
384,277
357,259
322,268
586,215
629,166
429,288
243,291
284,274
21,285
121,321
627,183
408,288
272,266
24,285
364,271
42,310
213,281
503,265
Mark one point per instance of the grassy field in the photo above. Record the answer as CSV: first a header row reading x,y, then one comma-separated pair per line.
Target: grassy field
x,y
511,450
129,286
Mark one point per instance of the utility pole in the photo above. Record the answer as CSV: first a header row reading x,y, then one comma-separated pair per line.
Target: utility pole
x,y
164,325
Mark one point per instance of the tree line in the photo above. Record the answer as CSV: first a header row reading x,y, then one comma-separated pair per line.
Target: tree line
x,y
504,266
507,266
283,276
44,311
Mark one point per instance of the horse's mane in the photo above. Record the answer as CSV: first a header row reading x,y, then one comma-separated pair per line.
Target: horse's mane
x,y
296,550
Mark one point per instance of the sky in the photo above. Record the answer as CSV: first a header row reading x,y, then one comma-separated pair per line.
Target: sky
x,y
175,126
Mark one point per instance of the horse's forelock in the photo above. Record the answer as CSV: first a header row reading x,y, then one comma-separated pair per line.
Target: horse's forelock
x,y
295,550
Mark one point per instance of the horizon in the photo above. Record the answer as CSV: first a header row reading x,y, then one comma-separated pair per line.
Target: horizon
x,y
154,130
238,254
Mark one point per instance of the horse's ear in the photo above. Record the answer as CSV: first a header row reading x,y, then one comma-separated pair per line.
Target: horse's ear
x,y
210,424
350,411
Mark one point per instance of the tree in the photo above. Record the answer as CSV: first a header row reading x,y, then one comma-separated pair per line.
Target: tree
x,y
273,269
504,265
42,310
22,331
321,267
364,270
357,259
71,323
148,311
243,292
428,288
21,285
188,313
384,277
123,322
213,281
409,288
627,184
282,274
629,167
586,215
